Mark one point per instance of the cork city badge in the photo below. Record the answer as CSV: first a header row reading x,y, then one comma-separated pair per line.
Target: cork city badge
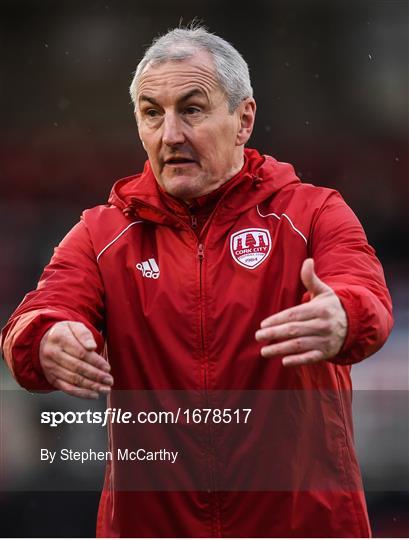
x,y
250,247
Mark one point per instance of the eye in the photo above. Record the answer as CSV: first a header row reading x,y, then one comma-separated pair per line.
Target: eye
x,y
152,113
192,110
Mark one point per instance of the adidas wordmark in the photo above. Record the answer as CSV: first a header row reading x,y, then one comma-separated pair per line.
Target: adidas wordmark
x,y
149,269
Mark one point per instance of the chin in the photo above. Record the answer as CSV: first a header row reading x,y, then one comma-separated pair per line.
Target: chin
x,y
183,188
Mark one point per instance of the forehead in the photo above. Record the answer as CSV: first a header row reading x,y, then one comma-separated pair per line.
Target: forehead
x,y
178,76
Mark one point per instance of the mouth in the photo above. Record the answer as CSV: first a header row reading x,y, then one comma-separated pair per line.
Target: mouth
x,y
179,161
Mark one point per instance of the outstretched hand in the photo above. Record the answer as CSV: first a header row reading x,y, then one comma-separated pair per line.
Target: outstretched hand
x,y
309,332
70,362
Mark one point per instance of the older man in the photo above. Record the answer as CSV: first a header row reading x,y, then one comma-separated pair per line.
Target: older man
x,y
201,275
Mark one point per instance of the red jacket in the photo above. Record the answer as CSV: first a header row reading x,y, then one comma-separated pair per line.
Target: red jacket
x,y
178,310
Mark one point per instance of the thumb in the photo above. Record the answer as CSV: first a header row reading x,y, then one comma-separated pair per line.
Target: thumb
x,y
311,281
83,335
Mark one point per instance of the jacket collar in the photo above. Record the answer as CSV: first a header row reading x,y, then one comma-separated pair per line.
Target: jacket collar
x,y
261,176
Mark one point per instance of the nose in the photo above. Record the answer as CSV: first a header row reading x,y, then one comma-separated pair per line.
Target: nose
x,y
172,130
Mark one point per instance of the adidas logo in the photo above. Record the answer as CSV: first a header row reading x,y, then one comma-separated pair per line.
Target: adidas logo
x,y
149,269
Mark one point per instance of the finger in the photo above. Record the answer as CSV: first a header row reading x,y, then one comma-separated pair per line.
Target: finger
x,y
69,343
77,380
83,335
74,391
313,327
61,335
310,357
81,367
293,346
302,312
71,346
311,281
98,361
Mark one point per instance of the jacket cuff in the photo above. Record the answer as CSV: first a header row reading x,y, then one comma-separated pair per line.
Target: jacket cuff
x,y
350,352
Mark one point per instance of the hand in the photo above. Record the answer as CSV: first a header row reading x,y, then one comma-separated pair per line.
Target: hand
x,y
70,363
309,332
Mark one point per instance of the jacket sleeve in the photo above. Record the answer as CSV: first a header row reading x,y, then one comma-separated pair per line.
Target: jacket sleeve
x,y
70,288
346,262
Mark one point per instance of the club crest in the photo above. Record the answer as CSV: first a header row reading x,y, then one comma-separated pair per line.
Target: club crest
x,y
249,247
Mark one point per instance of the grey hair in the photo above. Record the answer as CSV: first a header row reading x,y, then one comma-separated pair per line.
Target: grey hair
x,y
231,69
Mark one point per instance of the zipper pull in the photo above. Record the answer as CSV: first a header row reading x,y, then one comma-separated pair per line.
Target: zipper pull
x,y
193,220
200,251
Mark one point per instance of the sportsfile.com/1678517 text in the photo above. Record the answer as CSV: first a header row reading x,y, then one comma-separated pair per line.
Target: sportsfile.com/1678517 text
x,y
119,416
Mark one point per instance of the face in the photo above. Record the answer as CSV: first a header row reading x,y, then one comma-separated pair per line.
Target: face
x,y
193,143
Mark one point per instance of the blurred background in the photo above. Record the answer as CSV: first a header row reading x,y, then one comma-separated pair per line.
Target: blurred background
x,y
331,83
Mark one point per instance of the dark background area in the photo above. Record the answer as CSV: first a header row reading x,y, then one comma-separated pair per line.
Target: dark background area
x,y
330,78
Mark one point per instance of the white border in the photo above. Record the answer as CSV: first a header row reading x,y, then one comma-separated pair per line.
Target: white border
x,y
288,219
116,238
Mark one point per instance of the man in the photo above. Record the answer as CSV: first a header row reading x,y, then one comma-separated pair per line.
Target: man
x,y
215,270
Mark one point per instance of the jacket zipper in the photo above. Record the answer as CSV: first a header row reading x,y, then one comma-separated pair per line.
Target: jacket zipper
x,y
200,255
205,367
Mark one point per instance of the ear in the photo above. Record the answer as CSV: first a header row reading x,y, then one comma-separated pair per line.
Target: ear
x,y
246,116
